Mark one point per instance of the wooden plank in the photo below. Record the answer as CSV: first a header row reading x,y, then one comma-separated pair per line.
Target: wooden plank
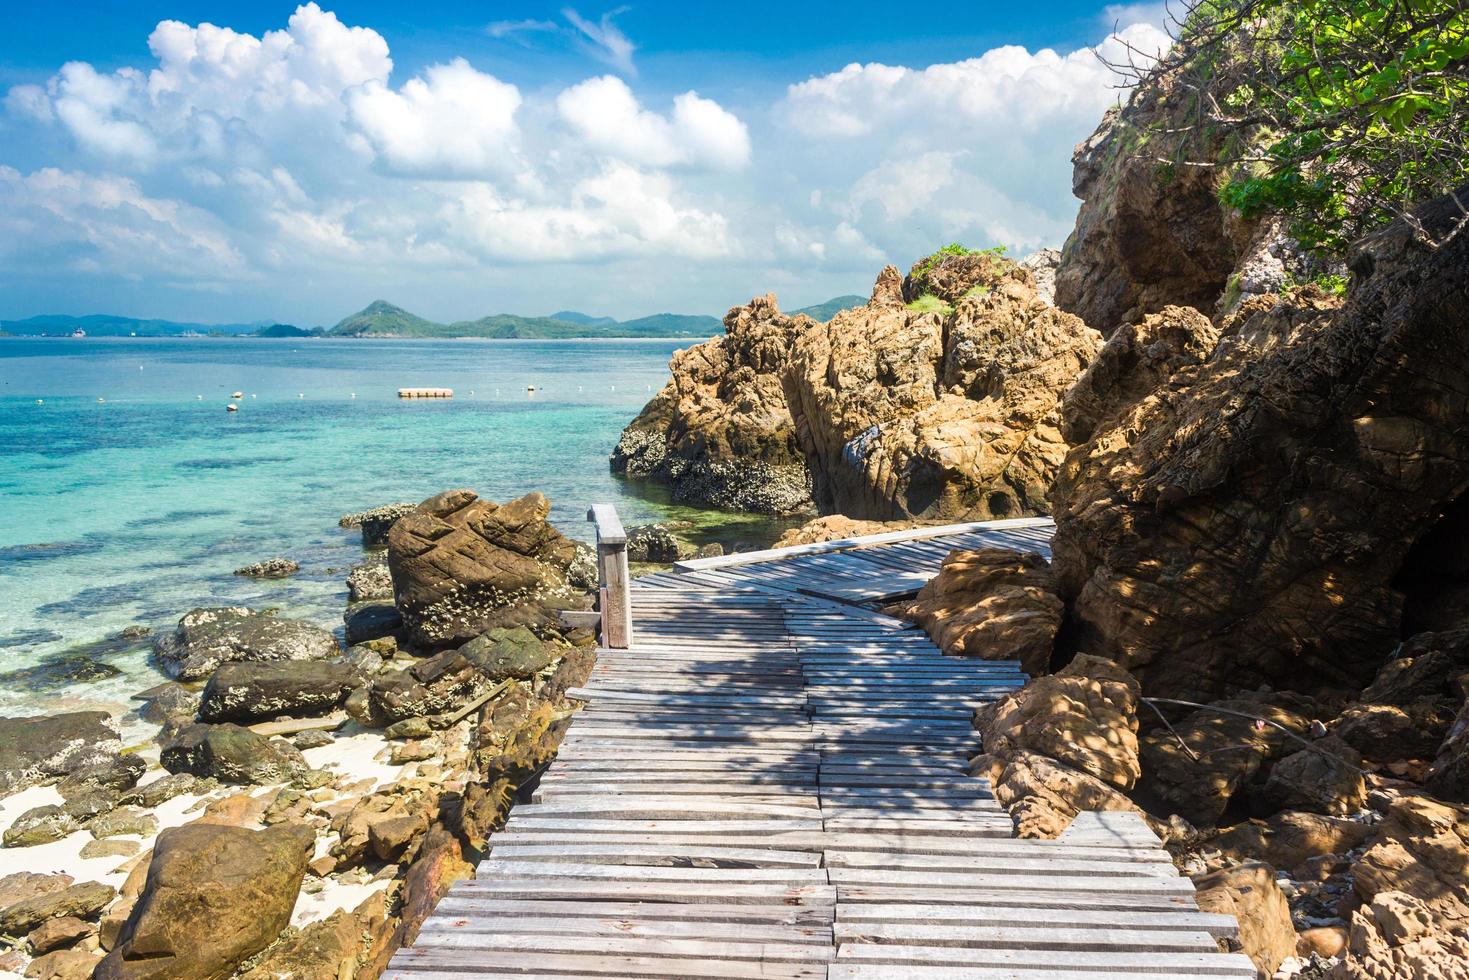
x,y
634,925
814,918
974,916
1052,936
452,964
658,853
564,889
1210,964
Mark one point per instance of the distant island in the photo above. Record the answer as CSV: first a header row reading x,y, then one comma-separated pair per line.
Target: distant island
x,y
382,319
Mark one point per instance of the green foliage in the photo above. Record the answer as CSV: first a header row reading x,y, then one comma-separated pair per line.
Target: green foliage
x,y
1327,282
977,291
929,303
952,250
1361,105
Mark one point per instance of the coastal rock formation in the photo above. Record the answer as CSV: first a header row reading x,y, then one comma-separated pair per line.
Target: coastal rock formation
x,y
1064,743
1244,523
462,565
214,897
250,692
207,638
1249,893
906,414
1395,936
376,523
836,527
33,750
232,754
992,603
719,433
270,568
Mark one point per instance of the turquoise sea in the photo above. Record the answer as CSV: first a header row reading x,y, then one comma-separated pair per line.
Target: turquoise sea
x,y
128,494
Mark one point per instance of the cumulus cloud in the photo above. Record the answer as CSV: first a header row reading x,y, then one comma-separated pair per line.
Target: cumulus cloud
x,y
605,113
454,121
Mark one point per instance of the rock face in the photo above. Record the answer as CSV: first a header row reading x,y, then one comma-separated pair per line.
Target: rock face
x,y
1421,848
250,692
719,433
206,638
1395,936
462,565
1064,743
1244,523
992,603
214,897
904,414
1250,894
33,750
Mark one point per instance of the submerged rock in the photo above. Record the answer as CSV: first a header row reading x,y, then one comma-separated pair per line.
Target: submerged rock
x,y
368,581
462,565
206,638
270,568
719,434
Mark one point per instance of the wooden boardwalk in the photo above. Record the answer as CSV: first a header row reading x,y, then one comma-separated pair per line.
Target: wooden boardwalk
x,y
771,783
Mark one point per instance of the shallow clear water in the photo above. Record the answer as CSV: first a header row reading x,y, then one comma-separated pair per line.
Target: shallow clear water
x,y
133,509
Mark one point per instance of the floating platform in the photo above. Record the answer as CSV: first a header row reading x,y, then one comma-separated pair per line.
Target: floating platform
x,y
425,392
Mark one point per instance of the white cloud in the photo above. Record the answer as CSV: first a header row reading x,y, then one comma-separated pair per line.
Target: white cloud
x,y
454,121
605,113
604,40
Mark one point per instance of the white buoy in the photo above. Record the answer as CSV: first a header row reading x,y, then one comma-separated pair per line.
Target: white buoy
x,y
578,387
354,394
301,395
471,391
101,400
252,394
232,407
238,394
40,401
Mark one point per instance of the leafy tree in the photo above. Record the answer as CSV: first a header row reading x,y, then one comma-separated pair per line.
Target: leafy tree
x,y
1340,115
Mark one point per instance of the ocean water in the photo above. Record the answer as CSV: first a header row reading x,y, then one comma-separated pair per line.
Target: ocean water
x,y
128,494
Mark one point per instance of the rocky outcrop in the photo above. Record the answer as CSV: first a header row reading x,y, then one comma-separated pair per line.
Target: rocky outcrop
x,y
250,692
1288,840
992,603
1062,744
214,897
376,523
33,750
719,433
1421,848
906,414
1244,523
462,565
270,568
206,638
1395,936
1249,893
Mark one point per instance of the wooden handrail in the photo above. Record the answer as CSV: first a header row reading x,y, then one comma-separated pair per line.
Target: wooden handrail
x,y
615,600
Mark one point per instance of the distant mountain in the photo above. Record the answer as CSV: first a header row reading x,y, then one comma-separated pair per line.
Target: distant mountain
x,y
586,319
105,325
286,330
825,311
384,319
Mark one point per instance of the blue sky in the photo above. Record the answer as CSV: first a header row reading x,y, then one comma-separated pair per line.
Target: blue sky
x,y
239,161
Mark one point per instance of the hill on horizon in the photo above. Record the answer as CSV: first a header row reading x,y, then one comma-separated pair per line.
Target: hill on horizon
x,y
108,325
381,318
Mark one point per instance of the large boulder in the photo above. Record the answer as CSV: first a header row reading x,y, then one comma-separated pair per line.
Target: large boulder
x,y
252,691
719,433
461,565
1244,524
1062,744
232,754
1195,767
35,749
992,603
206,638
446,681
943,411
214,897
1250,894
1323,777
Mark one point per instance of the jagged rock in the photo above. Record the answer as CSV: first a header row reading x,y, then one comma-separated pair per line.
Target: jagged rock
x,y
59,934
1288,840
1394,936
253,691
270,568
386,823
837,527
371,621
1221,753
159,791
462,565
1421,848
206,638
719,434
582,573
232,754
1426,666
513,654
376,523
1323,778
1062,744
35,749
82,901
1448,777
319,950
1249,893
1387,733
1136,359
369,581
312,740
440,863
21,886
168,702
114,773
214,897
1043,264
654,543
40,825
938,416
1244,523
992,603
445,681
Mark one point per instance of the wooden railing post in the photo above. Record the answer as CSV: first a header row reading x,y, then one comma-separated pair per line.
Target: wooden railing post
x,y
615,600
